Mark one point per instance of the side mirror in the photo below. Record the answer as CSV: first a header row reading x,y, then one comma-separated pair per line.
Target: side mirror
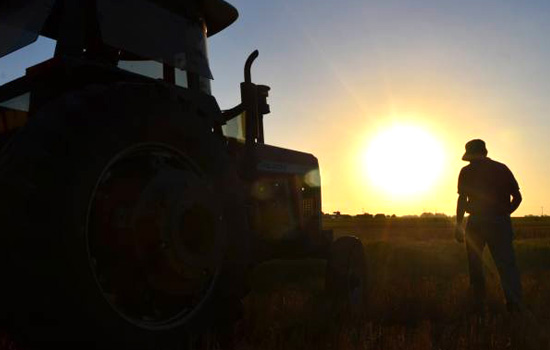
x,y
262,94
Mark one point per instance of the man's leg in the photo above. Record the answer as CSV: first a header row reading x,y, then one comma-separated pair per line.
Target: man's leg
x,y
475,243
502,250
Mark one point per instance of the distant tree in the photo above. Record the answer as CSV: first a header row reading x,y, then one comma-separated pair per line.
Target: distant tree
x,y
380,216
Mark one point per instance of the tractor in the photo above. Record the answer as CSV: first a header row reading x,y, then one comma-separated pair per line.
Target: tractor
x,y
132,208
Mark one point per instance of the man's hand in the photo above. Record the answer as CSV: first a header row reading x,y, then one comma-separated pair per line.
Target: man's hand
x,y
459,234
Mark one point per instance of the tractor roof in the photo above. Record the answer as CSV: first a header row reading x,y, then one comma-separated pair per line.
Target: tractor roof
x,y
21,21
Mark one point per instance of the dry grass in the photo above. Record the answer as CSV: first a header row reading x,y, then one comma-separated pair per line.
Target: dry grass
x,y
418,297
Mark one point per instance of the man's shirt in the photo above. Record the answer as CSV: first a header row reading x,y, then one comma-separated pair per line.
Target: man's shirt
x,y
488,185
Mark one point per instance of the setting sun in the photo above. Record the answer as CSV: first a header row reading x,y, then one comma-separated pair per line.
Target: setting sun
x,y
404,160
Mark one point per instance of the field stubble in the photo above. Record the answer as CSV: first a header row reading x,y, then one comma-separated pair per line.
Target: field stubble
x,y
417,297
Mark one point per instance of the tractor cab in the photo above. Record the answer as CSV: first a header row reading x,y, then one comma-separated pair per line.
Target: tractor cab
x,y
160,38
102,41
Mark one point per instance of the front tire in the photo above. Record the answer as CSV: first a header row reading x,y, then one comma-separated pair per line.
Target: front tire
x,y
346,281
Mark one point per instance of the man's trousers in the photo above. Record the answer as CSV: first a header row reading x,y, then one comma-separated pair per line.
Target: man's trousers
x,y
496,232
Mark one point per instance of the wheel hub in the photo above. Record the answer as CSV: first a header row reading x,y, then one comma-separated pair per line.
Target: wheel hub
x,y
155,236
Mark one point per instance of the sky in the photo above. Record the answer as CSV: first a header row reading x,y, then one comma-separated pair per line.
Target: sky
x,y
343,73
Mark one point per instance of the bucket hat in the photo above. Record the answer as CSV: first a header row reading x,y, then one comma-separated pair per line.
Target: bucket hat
x,y
475,149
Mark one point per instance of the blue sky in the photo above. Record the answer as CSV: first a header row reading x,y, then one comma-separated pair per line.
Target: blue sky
x,y
468,68
341,72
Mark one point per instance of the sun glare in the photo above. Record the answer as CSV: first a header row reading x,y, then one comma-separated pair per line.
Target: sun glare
x,y
404,160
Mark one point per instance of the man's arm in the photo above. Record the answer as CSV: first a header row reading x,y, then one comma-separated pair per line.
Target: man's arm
x,y
514,192
461,204
516,201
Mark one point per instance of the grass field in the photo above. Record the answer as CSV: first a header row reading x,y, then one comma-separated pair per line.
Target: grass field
x,y
418,294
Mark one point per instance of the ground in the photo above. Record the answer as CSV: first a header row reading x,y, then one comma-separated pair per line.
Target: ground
x,y
418,294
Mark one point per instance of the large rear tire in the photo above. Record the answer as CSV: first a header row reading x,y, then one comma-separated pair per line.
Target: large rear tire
x,y
120,215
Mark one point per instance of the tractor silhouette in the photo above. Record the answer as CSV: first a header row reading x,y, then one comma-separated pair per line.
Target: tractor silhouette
x,y
132,208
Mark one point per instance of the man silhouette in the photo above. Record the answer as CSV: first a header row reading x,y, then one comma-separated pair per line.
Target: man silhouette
x,y
484,188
